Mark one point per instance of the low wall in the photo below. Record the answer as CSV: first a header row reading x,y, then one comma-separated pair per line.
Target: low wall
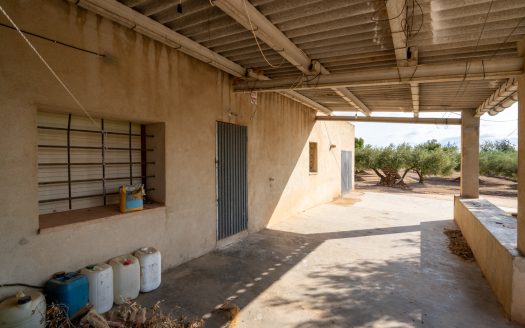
x,y
492,236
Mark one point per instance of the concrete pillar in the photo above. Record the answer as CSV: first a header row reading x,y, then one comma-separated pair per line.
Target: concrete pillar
x,y
521,164
469,154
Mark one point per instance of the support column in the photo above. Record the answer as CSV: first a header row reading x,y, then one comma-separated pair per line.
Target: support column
x,y
469,154
521,164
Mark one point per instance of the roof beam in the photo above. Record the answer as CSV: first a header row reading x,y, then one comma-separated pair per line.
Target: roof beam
x,y
375,119
397,14
454,71
504,97
414,90
122,14
251,19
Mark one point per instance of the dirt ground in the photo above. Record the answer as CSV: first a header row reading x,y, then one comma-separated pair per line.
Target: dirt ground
x,y
449,185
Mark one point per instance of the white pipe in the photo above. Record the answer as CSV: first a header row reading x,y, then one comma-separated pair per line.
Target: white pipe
x,y
497,68
504,97
251,19
376,119
126,16
248,16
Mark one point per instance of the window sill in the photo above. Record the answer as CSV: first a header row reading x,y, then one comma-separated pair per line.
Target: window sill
x,y
76,218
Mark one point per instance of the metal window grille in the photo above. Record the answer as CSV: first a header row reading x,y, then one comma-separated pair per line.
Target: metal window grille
x,y
79,167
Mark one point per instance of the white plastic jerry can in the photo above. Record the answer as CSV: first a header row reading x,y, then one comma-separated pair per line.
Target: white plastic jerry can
x,y
100,277
23,311
126,278
150,268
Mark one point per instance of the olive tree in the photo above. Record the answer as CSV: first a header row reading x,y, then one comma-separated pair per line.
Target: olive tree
x,y
429,158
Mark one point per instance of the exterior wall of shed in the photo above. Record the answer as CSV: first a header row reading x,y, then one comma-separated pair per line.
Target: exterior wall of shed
x,y
143,81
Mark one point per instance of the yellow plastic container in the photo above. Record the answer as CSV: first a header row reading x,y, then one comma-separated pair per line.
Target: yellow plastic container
x,y
131,198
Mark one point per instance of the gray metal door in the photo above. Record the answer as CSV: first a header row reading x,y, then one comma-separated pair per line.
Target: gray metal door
x,y
346,172
232,195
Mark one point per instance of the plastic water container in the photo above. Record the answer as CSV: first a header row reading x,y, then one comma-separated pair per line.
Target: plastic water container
x,y
23,311
150,268
100,277
126,278
68,289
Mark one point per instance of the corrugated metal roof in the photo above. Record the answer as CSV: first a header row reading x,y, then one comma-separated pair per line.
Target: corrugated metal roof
x,y
346,35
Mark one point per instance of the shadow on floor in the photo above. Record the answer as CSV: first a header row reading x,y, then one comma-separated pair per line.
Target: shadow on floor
x,y
427,288
240,272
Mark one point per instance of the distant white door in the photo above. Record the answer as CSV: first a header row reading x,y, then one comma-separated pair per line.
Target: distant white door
x,y
346,172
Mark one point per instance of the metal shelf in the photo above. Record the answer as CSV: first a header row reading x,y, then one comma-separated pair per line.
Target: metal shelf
x,y
93,147
95,164
92,180
82,197
93,131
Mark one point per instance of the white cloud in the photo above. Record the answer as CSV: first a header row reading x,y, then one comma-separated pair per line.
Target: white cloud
x,y
501,126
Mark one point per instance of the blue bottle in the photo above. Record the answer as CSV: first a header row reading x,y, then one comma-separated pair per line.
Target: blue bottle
x,y
69,290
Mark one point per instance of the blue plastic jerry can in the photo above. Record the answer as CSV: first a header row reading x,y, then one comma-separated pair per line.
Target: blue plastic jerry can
x,y
69,290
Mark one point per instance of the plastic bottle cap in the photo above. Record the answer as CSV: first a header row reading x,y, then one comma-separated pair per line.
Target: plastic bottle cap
x,y
59,274
23,300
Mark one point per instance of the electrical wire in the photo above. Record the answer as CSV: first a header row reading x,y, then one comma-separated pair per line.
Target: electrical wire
x,y
389,19
256,39
507,37
495,121
469,62
508,135
21,285
75,99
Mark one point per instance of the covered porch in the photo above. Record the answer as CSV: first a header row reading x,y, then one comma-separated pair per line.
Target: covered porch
x,y
380,260
282,68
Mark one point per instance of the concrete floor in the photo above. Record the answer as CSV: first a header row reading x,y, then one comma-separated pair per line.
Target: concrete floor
x,y
380,262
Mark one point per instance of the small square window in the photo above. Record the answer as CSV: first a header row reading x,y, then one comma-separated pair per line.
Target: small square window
x,y
313,157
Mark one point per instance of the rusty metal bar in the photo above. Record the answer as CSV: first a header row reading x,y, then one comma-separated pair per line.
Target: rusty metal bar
x,y
91,131
81,197
130,157
69,159
92,180
88,163
103,160
93,147
143,155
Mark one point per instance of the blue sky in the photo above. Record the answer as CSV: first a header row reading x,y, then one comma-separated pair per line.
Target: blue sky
x,y
502,126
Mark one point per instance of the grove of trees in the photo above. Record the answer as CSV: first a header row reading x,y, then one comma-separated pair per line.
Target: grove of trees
x,y
392,163
499,159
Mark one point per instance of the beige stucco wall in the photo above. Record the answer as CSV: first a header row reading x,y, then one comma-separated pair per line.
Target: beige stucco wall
x,y
144,81
491,256
492,236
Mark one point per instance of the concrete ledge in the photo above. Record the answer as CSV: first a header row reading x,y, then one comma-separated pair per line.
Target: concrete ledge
x,y
492,235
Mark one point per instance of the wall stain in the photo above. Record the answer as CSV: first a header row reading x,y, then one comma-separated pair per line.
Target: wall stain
x,y
81,16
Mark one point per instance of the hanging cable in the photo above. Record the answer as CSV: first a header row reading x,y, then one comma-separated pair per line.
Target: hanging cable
x,y
508,135
469,62
495,121
75,99
21,285
256,39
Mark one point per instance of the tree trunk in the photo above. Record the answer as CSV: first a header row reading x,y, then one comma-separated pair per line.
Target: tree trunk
x,y
381,177
421,179
390,177
378,173
401,183
404,175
